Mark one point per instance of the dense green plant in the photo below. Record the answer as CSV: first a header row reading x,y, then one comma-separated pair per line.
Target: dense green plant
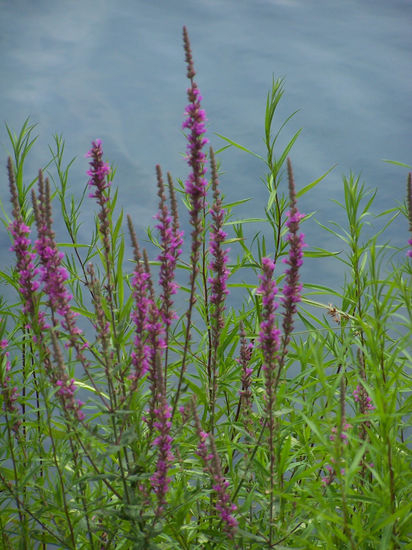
x,y
201,425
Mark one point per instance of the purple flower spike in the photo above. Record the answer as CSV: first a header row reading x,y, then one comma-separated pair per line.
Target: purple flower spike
x,y
98,172
171,241
26,270
140,287
365,402
217,237
53,274
195,122
269,333
292,287
66,387
269,341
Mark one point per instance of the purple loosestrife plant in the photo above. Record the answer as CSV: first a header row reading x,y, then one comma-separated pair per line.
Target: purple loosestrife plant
x,y
163,441
269,333
171,240
25,267
156,344
292,287
196,182
218,264
269,341
139,315
211,464
65,385
53,274
217,281
99,182
195,188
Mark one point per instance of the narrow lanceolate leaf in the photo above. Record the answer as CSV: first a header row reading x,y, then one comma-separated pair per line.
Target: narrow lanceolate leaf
x,y
397,163
241,147
313,184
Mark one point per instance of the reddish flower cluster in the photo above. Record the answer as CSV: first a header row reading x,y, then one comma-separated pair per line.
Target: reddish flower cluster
x,y
218,265
331,474
195,122
99,181
171,239
98,172
140,289
53,274
66,386
292,287
343,434
269,333
365,402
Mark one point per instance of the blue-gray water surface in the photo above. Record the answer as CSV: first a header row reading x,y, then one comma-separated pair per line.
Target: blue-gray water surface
x,y
116,71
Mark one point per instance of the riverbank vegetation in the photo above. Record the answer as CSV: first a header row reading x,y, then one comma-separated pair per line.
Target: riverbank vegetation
x,y
141,410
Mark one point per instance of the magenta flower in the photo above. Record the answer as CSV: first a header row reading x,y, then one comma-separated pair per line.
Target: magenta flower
x,y
218,264
196,190
365,402
171,240
25,267
66,387
269,342
269,333
292,287
98,172
139,315
99,181
53,274
195,122
343,433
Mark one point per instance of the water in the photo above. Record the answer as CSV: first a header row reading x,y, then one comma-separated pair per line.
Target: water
x,y
116,71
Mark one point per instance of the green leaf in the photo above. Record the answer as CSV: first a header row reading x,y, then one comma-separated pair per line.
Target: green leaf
x,y
397,163
314,183
241,147
246,220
